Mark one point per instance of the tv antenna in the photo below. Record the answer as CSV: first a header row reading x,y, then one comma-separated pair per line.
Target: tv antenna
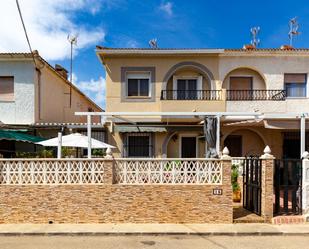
x,y
254,32
73,41
293,24
153,43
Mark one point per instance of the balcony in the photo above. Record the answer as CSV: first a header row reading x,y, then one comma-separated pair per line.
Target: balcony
x,y
191,95
245,95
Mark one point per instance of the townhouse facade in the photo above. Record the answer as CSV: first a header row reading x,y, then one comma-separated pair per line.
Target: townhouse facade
x,y
269,82
36,99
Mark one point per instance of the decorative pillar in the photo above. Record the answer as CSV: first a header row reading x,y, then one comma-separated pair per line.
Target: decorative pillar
x,y
267,185
108,167
226,180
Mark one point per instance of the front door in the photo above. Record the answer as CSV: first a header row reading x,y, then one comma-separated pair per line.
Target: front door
x,y
234,144
188,147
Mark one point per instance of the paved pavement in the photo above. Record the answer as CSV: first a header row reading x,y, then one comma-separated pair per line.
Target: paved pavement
x,y
153,229
153,242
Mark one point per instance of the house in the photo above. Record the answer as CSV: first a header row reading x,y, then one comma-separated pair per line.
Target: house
x,y
269,82
37,100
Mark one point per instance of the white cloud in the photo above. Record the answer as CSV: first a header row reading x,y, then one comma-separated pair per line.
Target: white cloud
x,y
48,23
95,89
167,7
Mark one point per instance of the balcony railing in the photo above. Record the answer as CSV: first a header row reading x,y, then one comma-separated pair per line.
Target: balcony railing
x,y
240,95
191,95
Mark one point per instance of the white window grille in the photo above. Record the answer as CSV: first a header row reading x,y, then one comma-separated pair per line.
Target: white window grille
x,y
51,172
167,171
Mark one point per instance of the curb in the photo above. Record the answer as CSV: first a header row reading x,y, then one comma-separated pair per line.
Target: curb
x,y
15,234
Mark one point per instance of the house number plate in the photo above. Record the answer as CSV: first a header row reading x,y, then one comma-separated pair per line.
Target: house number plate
x,y
217,191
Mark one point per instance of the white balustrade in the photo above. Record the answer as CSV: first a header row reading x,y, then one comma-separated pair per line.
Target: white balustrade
x,y
168,171
51,172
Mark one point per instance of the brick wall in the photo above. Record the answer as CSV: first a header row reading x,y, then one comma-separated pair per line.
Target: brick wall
x,y
111,202
114,203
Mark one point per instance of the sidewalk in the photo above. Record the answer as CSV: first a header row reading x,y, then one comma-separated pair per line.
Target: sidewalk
x,y
152,229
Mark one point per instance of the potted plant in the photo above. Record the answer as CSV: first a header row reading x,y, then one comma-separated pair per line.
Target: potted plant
x,y
235,184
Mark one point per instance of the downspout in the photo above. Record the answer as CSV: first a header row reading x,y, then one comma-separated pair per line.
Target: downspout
x,y
39,74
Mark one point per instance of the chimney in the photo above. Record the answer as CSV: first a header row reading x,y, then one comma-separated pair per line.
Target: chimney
x,y
286,47
61,70
248,47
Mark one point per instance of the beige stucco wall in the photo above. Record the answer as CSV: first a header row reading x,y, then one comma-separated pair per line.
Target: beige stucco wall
x,y
162,65
258,82
55,100
255,139
267,69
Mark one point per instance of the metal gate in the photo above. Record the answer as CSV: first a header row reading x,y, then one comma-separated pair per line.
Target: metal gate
x,y
252,174
288,187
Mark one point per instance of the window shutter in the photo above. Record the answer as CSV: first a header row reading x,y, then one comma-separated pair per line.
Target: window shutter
x,y
6,88
295,78
240,83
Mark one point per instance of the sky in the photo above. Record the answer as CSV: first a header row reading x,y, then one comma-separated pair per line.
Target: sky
x,y
128,23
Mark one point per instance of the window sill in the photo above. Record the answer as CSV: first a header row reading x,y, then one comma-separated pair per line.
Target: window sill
x,y
138,97
7,101
296,98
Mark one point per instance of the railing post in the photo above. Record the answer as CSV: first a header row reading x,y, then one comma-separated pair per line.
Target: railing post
x,y
69,171
267,184
80,164
31,172
20,173
7,165
161,172
44,173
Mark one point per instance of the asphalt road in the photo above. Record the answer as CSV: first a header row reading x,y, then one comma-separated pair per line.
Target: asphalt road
x,y
153,242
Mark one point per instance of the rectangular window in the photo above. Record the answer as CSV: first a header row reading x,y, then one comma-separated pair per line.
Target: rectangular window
x,y
138,85
138,145
6,88
295,85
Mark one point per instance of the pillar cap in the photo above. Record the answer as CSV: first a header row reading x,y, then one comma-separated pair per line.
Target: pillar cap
x,y
267,153
226,154
305,155
109,154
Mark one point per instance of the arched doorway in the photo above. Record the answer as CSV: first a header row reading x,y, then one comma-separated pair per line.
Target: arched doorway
x,y
244,142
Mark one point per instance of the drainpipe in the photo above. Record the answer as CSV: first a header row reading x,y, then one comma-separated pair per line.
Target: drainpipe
x,y
39,73
302,134
218,135
89,134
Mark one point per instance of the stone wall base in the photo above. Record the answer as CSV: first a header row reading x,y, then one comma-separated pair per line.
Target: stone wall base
x,y
115,204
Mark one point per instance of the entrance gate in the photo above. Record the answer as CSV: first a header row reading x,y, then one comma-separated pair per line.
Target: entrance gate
x,y
288,187
252,174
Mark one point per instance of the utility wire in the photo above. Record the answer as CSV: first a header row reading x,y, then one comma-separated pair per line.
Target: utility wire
x,y
25,31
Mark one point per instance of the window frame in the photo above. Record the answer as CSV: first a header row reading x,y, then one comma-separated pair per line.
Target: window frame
x,y
150,145
290,83
13,99
124,85
199,86
138,76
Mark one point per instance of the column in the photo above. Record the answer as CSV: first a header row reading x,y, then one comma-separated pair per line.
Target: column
x,y
267,184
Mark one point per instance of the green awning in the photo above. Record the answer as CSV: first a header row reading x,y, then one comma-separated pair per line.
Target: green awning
x,y
138,128
19,136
